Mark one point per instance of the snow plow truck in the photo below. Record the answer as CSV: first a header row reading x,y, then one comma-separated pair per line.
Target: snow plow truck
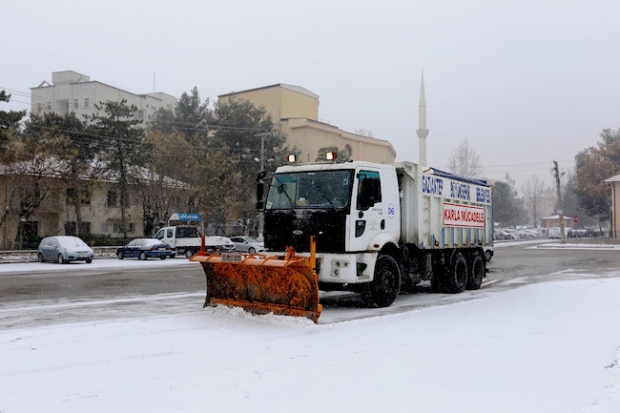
x,y
374,229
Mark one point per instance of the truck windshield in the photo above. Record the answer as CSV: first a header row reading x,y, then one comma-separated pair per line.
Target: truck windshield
x,y
310,189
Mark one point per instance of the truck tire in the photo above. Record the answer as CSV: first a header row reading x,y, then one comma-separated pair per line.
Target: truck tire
x,y
188,253
455,279
385,286
476,272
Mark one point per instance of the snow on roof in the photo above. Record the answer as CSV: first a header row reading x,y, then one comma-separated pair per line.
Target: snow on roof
x,y
613,179
294,88
52,168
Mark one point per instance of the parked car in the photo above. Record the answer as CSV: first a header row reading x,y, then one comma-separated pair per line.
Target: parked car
x,y
555,232
247,244
527,233
64,249
144,248
219,244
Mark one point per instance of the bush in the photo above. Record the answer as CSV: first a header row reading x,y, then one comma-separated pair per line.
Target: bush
x,y
103,240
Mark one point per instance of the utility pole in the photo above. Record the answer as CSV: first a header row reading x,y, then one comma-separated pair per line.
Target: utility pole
x,y
560,212
262,135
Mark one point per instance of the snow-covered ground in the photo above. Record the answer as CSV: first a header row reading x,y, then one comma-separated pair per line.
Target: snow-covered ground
x,y
548,347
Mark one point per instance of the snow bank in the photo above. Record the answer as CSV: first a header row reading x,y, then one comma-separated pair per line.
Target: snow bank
x,y
551,347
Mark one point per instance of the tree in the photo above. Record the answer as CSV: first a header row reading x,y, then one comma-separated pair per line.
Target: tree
x,y
365,132
164,187
593,166
123,148
75,150
570,203
30,171
534,192
465,161
508,209
240,130
225,153
8,120
341,154
191,117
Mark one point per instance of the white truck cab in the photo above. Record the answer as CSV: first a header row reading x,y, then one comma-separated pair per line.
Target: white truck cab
x,y
183,239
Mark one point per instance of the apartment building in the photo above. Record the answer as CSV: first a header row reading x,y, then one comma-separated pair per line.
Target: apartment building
x,y
100,203
295,112
71,91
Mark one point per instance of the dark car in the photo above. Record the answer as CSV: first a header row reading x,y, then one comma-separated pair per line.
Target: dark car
x,y
144,248
64,249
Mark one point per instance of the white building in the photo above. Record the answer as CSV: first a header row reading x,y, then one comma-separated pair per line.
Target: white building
x,y
74,92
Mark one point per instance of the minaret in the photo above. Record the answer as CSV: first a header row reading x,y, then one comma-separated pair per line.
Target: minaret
x,y
422,131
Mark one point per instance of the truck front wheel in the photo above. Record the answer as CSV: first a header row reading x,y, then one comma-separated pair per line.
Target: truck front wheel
x,y
189,252
385,286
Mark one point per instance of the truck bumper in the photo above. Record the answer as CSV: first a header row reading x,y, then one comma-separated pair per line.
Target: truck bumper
x,y
346,268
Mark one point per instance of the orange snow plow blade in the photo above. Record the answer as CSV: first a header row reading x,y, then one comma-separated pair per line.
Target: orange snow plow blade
x,y
281,285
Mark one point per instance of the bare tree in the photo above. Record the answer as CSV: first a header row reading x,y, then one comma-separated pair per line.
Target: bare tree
x,y
163,185
364,132
465,161
534,192
28,168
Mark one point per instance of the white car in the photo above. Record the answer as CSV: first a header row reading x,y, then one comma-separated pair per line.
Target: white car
x,y
555,232
64,249
247,244
219,244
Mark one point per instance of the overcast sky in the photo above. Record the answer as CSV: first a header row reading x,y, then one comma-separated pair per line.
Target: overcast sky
x,y
526,82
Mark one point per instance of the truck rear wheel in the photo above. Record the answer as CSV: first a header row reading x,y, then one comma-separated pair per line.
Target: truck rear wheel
x,y
189,253
385,286
476,272
455,280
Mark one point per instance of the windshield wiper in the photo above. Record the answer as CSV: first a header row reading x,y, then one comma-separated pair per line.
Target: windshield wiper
x,y
281,188
314,188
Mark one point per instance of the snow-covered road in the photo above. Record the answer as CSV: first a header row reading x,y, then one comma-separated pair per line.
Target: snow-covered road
x,y
546,347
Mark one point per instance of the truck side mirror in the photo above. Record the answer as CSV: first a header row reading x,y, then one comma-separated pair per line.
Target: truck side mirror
x,y
260,191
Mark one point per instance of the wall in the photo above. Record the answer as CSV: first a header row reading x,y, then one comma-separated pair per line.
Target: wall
x,y
54,211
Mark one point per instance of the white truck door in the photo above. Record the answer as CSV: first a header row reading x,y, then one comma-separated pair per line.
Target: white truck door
x,y
371,212
166,235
